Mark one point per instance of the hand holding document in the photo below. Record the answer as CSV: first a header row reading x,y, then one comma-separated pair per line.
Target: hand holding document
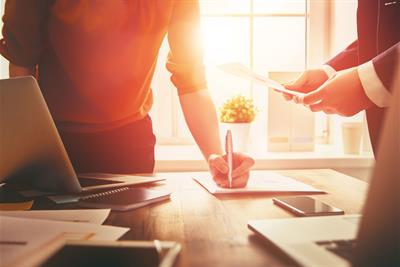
x,y
242,71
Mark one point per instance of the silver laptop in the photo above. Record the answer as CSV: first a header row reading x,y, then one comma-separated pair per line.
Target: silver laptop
x,y
339,241
31,150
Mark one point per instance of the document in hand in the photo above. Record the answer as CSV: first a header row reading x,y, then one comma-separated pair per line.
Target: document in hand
x,y
260,182
242,71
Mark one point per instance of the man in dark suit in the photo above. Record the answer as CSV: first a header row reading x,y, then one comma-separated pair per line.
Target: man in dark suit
x,y
360,77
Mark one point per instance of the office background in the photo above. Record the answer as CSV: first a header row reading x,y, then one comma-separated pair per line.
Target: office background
x,y
280,38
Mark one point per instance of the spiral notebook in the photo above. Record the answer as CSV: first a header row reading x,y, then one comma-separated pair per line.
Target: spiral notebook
x,y
124,198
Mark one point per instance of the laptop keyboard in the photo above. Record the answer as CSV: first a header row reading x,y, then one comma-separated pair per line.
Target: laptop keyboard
x,y
342,248
93,182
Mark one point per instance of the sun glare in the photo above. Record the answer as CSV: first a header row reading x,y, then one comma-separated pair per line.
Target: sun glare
x,y
225,40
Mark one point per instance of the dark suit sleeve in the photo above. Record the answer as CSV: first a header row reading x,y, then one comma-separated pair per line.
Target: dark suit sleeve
x,y
348,58
386,63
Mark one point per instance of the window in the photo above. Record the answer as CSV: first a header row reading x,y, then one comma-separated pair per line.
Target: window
x,y
268,36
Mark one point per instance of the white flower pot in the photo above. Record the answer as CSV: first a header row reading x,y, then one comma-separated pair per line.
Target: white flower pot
x,y
240,135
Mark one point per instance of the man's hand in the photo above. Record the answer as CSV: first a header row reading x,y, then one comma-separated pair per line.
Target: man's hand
x,y
307,82
241,169
343,95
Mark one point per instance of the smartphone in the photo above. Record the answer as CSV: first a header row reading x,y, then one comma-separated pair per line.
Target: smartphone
x,y
306,206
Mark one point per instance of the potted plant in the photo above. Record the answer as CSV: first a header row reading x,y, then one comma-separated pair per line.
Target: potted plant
x,y
237,114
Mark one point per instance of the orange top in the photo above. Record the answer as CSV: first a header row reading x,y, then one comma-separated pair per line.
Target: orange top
x,y
96,59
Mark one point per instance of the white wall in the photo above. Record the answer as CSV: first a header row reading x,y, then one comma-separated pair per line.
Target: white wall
x,y
343,24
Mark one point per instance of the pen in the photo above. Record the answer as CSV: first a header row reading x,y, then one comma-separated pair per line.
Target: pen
x,y
229,152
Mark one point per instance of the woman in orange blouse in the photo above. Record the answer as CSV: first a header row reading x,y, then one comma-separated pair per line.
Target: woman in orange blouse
x,y
95,60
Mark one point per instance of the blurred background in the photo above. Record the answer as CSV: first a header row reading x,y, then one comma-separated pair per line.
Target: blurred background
x,y
276,38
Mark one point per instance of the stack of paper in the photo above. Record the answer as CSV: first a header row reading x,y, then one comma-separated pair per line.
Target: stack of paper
x,y
24,232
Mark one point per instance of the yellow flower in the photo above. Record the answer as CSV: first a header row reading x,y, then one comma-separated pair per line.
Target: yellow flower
x,y
238,109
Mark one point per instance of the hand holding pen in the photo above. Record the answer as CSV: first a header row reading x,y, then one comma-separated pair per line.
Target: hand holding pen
x,y
239,171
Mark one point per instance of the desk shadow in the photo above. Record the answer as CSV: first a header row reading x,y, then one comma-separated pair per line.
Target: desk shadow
x,y
270,248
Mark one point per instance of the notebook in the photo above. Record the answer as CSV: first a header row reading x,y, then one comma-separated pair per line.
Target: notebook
x,y
123,198
260,182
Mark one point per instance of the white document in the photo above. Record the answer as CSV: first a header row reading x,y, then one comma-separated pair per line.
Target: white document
x,y
260,182
95,216
242,71
20,235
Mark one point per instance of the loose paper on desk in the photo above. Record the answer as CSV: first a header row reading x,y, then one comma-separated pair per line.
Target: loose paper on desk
x,y
238,69
260,182
95,216
18,238
20,235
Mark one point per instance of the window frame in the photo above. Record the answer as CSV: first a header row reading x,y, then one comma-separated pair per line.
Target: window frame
x,y
317,20
317,15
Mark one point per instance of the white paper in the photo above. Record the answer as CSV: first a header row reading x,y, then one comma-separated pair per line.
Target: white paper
x,y
20,235
95,216
17,237
242,71
260,182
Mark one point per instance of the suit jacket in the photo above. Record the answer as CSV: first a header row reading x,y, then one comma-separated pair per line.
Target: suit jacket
x,y
378,30
378,239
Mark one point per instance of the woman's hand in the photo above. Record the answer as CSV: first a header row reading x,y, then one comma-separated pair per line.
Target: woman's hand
x,y
242,164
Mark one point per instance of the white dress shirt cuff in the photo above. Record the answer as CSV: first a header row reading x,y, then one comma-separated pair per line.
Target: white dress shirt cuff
x,y
373,86
330,72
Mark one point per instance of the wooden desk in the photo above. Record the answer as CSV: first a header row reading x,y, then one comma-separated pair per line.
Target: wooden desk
x,y
213,230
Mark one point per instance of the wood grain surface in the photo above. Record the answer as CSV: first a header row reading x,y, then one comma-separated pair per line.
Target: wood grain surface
x,y
213,230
